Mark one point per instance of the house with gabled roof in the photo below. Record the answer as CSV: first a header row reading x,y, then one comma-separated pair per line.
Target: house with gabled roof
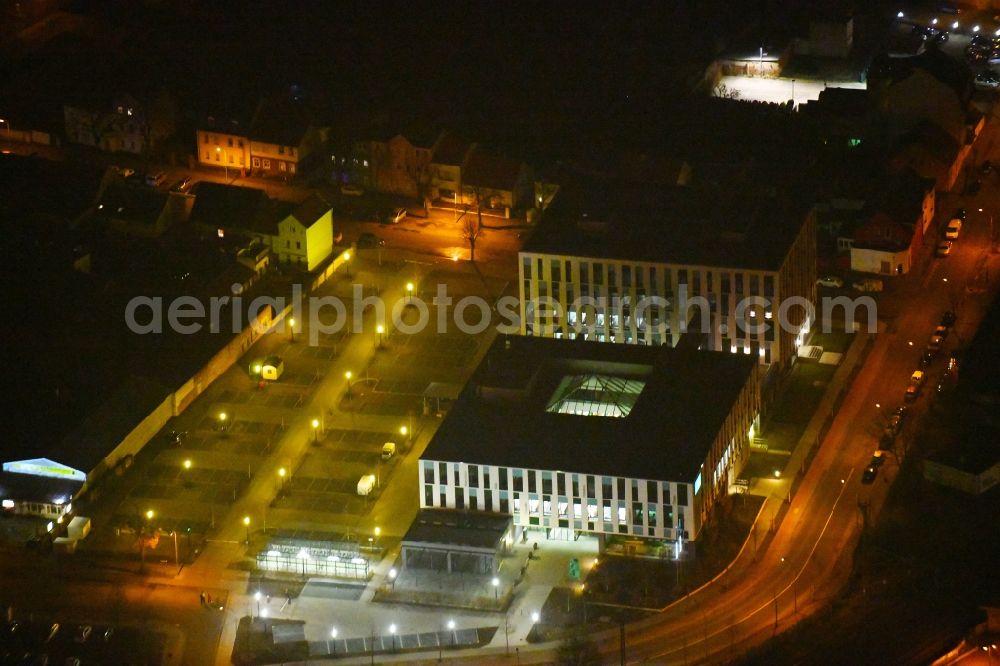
x,y
450,154
496,182
305,235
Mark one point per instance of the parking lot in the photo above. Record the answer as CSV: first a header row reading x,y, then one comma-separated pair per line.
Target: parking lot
x,y
24,642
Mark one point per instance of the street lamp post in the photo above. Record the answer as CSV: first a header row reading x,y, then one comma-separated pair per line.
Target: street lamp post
x,y
256,596
332,647
219,151
347,263
409,292
380,329
223,417
291,329
281,475
496,590
315,427
347,376
392,636
246,523
187,471
144,531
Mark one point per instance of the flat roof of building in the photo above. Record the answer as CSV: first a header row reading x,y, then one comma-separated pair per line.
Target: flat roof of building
x,y
509,412
604,218
469,529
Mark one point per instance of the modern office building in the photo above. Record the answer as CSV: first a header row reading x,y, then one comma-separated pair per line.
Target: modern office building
x,y
618,263
583,437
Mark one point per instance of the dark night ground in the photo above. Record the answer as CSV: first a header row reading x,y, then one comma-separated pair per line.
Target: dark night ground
x,y
922,572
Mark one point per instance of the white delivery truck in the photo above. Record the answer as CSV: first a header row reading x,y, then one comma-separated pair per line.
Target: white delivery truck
x,y
366,484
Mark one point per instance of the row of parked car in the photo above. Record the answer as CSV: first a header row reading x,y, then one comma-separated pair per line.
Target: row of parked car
x,y
951,233
918,379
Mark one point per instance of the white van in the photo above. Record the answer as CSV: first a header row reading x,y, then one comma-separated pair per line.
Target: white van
x,y
366,484
388,450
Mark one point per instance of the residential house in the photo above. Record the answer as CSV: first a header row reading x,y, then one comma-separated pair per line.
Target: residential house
x,y
900,211
224,210
223,142
450,154
844,119
134,209
118,126
497,182
305,236
932,152
281,138
399,163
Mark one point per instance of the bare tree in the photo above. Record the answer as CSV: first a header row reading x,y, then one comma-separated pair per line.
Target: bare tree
x,y
472,228
723,91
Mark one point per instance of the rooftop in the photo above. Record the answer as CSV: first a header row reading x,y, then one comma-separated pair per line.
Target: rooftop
x,y
484,169
459,528
451,150
234,207
641,412
311,210
605,218
279,121
134,202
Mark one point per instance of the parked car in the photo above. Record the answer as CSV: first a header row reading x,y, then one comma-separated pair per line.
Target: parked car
x,y
398,215
352,190
366,484
948,319
935,343
83,633
388,450
941,331
987,79
869,284
916,384
878,458
830,281
897,420
982,41
868,476
369,240
953,229
184,184
155,179
943,248
124,172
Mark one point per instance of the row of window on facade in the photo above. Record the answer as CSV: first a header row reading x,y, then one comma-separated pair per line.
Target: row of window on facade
x,y
594,515
238,143
637,275
546,482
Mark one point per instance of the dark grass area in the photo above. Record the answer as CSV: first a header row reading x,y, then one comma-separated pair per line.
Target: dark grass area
x,y
647,583
255,643
800,394
920,575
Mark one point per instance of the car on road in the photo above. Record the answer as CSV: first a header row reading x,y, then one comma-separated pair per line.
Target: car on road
x,y
954,228
868,476
878,458
941,331
868,284
388,450
943,248
927,357
352,190
830,281
369,240
935,343
988,79
959,214
896,420
83,633
948,319
916,384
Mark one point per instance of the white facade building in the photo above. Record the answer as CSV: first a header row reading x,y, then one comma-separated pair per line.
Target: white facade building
x,y
604,439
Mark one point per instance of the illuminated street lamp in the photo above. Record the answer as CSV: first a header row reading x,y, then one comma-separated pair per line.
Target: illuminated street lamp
x,y
347,376
496,589
535,616
256,596
291,329
409,292
7,123
144,531
187,470
281,475
332,649
392,634
347,263
246,523
315,427
380,329
222,420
